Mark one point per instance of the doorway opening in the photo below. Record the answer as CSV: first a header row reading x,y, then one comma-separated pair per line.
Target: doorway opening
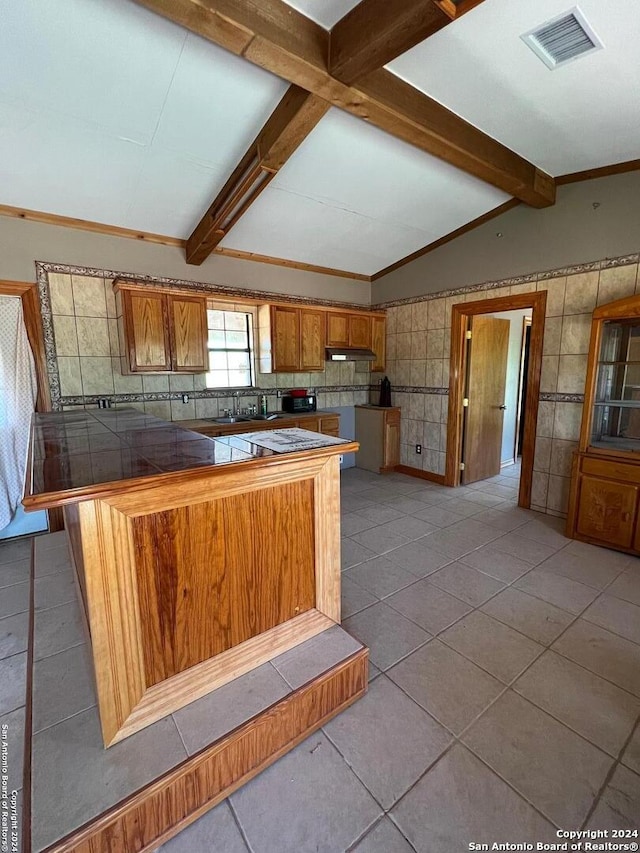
x,y
496,356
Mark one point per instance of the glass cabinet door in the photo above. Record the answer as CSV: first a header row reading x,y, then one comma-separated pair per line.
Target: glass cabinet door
x,y
616,408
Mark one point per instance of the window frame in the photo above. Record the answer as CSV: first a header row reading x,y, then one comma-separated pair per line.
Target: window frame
x,y
249,349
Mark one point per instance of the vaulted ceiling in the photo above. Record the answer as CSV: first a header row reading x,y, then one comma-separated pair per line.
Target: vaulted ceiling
x,y
238,126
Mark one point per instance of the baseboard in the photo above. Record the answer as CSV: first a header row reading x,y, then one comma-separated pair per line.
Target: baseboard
x,y
423,475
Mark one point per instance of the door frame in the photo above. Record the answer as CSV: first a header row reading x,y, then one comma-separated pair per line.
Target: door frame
x,y
537,301
526,324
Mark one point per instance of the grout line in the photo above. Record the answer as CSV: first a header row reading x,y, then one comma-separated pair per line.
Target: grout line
x,y
236,819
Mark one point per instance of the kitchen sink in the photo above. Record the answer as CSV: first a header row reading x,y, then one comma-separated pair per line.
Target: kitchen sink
x,y
231,420
265,417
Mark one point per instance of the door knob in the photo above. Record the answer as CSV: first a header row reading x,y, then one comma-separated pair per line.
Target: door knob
x,y
504,408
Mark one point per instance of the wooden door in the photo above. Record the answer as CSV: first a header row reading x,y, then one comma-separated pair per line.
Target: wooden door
x,y
379,342
337,329
285,333
360,331
147,331
312,337
487,374
607,511
188,329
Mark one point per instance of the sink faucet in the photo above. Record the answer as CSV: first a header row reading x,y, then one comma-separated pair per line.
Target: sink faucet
x,y
236,403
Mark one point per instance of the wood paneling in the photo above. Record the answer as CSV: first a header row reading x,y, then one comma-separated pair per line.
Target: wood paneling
x,y
276,37
607,511
360,331
147,331
312,338
537,301
215,574
422,475
338,330
285,342
600,172
375,32
188,333
379,343
150,817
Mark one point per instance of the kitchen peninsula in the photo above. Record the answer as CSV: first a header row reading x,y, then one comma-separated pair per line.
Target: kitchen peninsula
x,y
197,559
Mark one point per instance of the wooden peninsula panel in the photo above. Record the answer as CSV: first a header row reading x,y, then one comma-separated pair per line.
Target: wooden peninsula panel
x,y
214,574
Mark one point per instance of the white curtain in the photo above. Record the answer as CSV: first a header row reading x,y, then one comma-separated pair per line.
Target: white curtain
x,y
18,390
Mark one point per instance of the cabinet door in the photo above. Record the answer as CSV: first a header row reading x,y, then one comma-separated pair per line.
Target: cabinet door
x,y
379,342
312,336
360,331
285,338
330,426
146,326
391,451
188,328
607,511
337,330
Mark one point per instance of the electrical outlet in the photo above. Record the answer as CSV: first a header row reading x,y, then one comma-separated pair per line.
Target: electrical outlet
x,y
185,398
278,393
418,448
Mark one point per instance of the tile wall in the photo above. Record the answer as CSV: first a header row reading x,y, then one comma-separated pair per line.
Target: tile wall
x,y
86,357
418,347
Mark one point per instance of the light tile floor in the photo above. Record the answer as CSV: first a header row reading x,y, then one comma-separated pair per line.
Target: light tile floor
x,y
504,701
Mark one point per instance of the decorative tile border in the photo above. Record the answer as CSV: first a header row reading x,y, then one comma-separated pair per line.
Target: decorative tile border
x,y
553,397
532,278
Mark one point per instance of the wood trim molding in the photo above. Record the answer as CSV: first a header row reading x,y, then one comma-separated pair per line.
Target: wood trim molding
x,y
375,32
599,172
284,262
537,301
286,128
441,241
281,40
153,815
418,472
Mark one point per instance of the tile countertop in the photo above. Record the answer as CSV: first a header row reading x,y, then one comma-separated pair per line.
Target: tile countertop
x,y
75,455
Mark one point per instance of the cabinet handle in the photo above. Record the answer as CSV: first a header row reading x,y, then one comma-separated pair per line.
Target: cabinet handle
x,y
626,516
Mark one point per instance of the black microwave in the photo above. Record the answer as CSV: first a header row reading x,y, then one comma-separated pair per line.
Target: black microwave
x,y
295,405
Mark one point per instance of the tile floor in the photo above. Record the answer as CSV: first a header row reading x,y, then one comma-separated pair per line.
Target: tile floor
x,y
505,684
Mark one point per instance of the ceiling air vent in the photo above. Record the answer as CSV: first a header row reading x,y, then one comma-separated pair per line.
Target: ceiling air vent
x,y
562,39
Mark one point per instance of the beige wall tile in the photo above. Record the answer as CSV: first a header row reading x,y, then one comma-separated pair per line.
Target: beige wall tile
x,y
566,423
392,317
97,375
562,456
200,382
110,299
542,456
572,374
416,406
61,294
418,372
418,345
616,283
66,337
435,343
403,372
431,436
436,314
114,338
443,438
182,411
576,330
125,384
181,382
549,373
70,378
392,343
403,345
546,417
419,315
159,408
403,318
581,293
155,384
555,288
552,336
433,407
433,378
558,494
93,336
539,489
89,296
207,407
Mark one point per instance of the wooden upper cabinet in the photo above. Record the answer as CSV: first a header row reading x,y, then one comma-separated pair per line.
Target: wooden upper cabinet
x,y
379,342
163,332
337,329
146,329
312,337
360,331
285,338
188,330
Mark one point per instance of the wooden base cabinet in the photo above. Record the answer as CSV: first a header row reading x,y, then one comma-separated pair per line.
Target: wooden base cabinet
x,y
378,433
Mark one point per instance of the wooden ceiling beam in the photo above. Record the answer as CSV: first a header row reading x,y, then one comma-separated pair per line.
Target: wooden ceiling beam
x,y
290,123
281,40
375,32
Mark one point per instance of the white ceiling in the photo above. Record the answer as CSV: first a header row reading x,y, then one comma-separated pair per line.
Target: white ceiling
x,y
112,114
580,116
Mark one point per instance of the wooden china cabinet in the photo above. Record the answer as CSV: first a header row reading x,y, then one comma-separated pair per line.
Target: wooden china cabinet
x,y
604,501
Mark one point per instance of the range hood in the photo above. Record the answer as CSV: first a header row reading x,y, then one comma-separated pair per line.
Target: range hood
x,y
349,354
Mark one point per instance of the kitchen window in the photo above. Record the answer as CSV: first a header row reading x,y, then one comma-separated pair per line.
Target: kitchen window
x,y
230,345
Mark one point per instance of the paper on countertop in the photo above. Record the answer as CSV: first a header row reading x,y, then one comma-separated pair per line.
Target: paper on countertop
x,y
291,440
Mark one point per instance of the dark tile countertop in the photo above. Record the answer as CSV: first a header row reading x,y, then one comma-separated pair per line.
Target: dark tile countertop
x,y
73,452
